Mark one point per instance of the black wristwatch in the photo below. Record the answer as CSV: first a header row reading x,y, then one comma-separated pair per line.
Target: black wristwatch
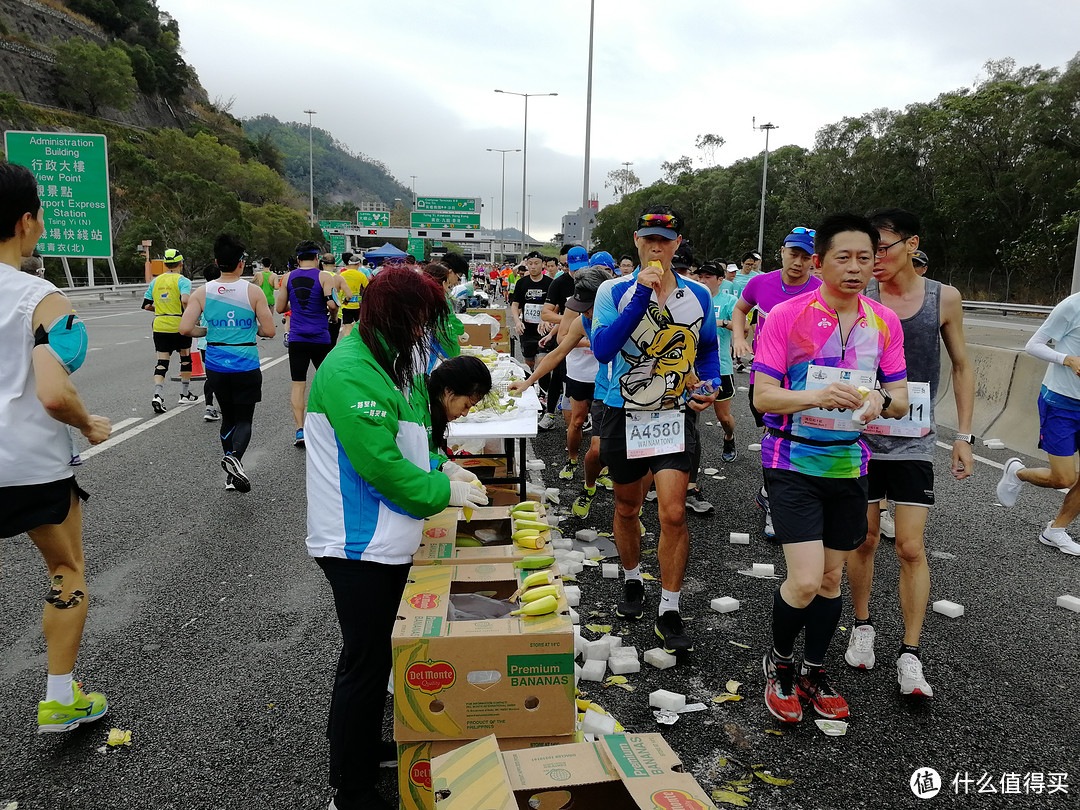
x,y
886,398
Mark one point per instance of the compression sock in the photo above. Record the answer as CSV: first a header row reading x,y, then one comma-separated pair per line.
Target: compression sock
x,y
787,621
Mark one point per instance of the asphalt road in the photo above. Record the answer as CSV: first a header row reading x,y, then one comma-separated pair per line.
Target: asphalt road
x,y
213,633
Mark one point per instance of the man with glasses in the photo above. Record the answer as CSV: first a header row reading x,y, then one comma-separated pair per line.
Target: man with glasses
x,y
235,313
626,265
901,466
658,332
312,294
759,295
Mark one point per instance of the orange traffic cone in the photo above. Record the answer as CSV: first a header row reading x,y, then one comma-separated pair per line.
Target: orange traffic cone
x,y
198,372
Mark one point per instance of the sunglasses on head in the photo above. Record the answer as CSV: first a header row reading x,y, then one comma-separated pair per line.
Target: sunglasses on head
x,y
807,231
665,220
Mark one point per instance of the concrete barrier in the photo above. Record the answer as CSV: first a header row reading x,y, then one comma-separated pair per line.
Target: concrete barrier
x,y
993,377
1018,425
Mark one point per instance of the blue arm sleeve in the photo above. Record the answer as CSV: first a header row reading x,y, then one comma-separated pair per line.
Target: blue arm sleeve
x,y
611,328
707,363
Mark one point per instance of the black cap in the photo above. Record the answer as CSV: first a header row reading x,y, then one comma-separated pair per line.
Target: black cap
x,y
587,281
683,258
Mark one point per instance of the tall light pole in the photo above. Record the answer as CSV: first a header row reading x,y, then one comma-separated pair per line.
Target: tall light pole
x,y
626,164
586,231
764,179
413,176
525,155
311,166
502,197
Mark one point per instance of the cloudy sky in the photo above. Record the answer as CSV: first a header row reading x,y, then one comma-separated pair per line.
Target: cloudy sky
x,y
411,82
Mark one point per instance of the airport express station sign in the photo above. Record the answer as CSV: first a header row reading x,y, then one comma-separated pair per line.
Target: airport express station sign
x,y
72,172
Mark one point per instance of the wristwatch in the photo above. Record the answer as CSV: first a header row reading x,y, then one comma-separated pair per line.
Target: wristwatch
x,y
886,398
966,437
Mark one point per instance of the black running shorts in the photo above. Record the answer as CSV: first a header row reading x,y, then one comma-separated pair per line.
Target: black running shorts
x,y
171,342
301,354
625,470
909,482
26,507
810,508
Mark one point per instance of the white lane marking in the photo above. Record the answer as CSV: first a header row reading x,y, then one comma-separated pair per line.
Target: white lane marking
x,y
123,423
99,317
114,440
125,342
984,460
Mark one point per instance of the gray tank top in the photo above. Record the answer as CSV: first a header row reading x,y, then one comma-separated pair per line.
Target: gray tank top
x,y
922,352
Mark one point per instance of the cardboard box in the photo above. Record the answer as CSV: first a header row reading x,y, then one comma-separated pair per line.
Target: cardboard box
x,y
618,772
414,764
443,533
479,335
453,680
498,314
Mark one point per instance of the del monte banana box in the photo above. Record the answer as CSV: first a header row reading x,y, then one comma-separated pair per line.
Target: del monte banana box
x,y
485,536
414,764
455,680
618,772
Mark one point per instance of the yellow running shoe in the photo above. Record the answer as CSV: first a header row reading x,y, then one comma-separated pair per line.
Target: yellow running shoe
x,y
54,716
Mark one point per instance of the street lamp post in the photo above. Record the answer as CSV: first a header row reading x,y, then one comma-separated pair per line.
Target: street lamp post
x,y
764,179
586,230
311,165
502,198
525,154
413,176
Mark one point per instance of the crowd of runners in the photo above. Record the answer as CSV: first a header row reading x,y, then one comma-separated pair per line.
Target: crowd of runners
x,y
841,346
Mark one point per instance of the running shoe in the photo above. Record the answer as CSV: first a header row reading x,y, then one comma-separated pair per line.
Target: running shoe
x,y
299,440
229,485
815,688
547,421
1059,539
605,481
231,464
641,527
211,415
188,399
587,426
695,502
762,500
888,525
909,675
669,629
158,404
583,502
285,338
780,697
76,461
730,452
55,716
1008,488
650,495
860,647
632,605
568,470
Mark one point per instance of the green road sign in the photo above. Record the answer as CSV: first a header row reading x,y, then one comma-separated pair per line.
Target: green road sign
x,y
72,172
373,219
445,220
338,224
337,244
468,205
416,248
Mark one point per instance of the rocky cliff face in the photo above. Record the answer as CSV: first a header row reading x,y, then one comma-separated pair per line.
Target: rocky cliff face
x,y
27,27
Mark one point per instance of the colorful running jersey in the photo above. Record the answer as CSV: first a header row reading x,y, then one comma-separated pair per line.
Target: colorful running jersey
x,y
310,317
802,337
651,352
231,327
724,308
166,291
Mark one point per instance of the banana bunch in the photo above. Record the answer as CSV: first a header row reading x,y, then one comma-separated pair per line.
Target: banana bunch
x,y
538,595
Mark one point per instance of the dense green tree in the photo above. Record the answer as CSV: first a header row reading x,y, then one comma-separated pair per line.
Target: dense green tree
x,y
90,77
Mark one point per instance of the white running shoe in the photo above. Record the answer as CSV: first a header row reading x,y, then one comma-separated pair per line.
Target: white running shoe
x,y
860,648
547,422
1008,488
888,525
1059,539
909,675
187,399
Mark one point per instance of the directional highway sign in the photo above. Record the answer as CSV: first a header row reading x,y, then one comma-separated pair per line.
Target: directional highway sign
x,y
468,205
442,220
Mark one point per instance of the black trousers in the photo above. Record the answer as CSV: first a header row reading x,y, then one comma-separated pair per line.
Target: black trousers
x,y
366,596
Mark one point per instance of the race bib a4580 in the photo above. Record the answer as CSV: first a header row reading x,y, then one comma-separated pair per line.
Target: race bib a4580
x,y
654,433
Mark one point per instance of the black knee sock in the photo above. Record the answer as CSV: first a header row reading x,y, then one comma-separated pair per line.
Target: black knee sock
x,y
787,621
822,617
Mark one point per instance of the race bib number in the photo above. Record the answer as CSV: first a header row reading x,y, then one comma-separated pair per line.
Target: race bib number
x,y
532,313
654,433
834,418
916,423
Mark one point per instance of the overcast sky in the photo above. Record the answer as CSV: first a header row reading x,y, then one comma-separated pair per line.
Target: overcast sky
x,y
410,82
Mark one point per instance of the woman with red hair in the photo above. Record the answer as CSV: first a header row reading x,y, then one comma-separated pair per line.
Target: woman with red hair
x,y
371,481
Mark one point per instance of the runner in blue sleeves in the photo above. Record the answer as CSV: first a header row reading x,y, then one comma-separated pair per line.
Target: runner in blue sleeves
x,y
658,332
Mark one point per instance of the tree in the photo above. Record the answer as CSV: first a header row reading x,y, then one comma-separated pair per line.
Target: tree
x,y
708,144
673,171
622,181
91,77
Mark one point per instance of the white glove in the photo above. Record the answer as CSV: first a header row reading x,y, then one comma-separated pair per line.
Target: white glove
x,y
463,493
458,473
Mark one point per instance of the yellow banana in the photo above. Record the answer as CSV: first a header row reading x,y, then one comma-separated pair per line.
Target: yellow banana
x,y
539,578
533,541
525,506
532,594
464,541
541,607
531,524
521,534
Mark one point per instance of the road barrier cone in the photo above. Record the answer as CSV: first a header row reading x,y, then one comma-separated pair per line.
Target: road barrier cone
x,y
198,372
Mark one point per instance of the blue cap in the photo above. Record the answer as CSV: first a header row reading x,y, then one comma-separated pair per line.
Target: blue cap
x,y
801,238
576,258
602,259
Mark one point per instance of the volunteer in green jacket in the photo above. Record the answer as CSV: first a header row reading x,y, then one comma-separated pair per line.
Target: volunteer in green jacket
x,y
371,480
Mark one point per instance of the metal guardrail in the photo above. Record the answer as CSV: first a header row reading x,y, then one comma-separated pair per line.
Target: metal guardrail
x,y
100,291
1005,308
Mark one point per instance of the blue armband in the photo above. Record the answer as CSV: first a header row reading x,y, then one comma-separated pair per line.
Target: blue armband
x,y
67,341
